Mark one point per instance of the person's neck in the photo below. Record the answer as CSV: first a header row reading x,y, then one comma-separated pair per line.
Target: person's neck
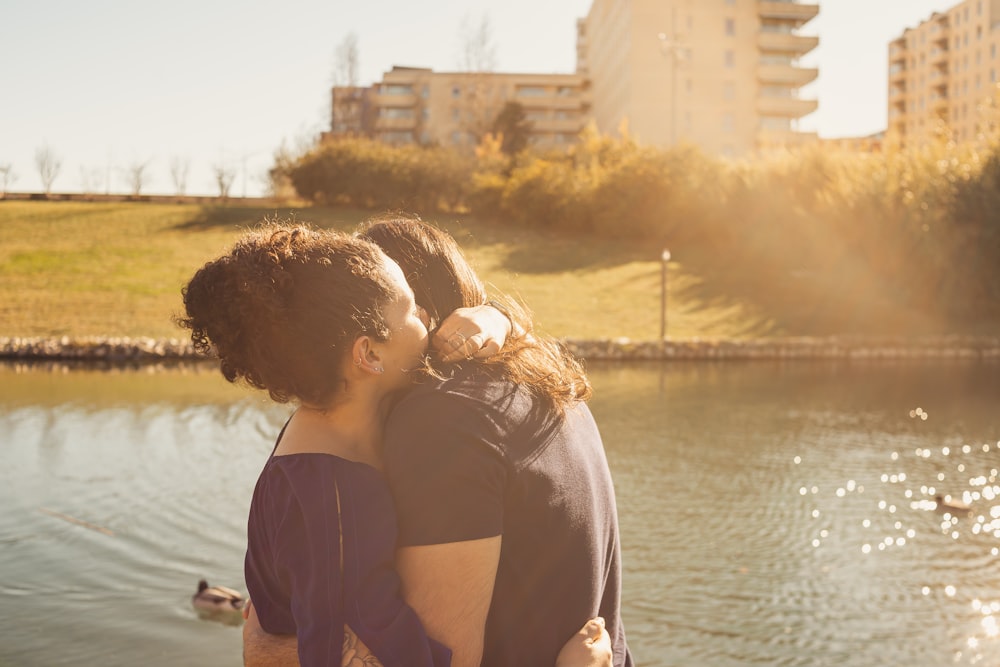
x,y
351,430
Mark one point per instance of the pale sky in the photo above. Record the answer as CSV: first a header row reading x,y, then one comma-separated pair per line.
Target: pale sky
x,y
110,83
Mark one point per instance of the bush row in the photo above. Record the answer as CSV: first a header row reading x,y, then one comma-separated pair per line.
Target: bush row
x,y
923,224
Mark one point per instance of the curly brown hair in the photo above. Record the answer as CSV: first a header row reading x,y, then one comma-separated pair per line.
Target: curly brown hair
x,y
442,281
283,307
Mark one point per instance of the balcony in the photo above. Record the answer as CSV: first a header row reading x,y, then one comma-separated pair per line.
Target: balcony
x,y
380,99
563,125
938,57
787,107
552,101
788,11
897,75
939,103
939,28
786,42
395,123
786,74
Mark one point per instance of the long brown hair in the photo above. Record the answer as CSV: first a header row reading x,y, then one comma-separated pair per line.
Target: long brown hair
x,y
442,281
283,306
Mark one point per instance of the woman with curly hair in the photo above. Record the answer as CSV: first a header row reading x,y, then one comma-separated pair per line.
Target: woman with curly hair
x,y
327,321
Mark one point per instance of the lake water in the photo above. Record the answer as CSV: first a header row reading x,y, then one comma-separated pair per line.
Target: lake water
x,y
773,514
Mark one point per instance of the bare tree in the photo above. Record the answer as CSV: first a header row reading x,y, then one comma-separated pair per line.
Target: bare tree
x,y
477,51
479,101
346,61
48,165
224,177
91,179
346,99
136,175
179,168
7,176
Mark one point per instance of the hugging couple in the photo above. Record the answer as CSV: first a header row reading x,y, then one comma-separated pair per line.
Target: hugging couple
x,y
440,495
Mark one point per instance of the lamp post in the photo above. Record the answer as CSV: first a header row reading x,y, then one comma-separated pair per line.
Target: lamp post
x,y
665,259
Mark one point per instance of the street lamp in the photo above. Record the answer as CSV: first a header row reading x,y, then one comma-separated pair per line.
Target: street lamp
x,y
665,259
672,47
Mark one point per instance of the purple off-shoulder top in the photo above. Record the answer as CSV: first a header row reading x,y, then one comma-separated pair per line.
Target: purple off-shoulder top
x,y
293,562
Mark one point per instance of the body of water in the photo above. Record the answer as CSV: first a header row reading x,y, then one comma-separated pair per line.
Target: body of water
x,y
773,514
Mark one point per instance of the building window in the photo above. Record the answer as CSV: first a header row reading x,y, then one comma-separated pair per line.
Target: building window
x,y
456,91
776,124
531,91
730,2
730,27
730,58
689,85
456,138
395,112
728,123
729,90
425,92
398,137
396,89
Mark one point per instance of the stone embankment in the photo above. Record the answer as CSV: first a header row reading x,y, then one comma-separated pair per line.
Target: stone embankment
x,y
142,350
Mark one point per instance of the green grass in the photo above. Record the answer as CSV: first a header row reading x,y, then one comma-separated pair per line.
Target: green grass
x,y
116,269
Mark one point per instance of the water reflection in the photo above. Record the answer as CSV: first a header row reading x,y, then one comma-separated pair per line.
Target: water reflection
x,y
771,514
752,492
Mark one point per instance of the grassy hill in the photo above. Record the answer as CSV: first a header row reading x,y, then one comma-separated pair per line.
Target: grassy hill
x,y
116,269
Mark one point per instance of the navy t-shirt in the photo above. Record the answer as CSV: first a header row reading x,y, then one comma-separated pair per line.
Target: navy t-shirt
x,y
469,458
293,562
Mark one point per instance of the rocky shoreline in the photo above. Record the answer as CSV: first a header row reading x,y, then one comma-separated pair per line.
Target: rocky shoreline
x,y
151,350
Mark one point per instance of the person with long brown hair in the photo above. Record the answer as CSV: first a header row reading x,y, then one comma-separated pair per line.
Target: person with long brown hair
x,y
508,527
327,321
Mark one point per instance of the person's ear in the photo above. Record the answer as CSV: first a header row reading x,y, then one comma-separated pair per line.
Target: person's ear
x,y
365,355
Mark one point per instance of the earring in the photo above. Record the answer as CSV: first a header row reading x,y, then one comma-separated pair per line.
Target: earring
x,y
379,370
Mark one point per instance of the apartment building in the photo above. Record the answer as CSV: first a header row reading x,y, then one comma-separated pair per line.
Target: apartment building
x,y
418,105
942,71
722,74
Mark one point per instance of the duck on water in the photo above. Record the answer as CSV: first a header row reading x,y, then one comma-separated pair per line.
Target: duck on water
x,y
216,599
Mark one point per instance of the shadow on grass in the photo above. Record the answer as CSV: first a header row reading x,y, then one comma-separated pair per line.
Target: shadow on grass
x,y
843,300
539,251
835,301
234,216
